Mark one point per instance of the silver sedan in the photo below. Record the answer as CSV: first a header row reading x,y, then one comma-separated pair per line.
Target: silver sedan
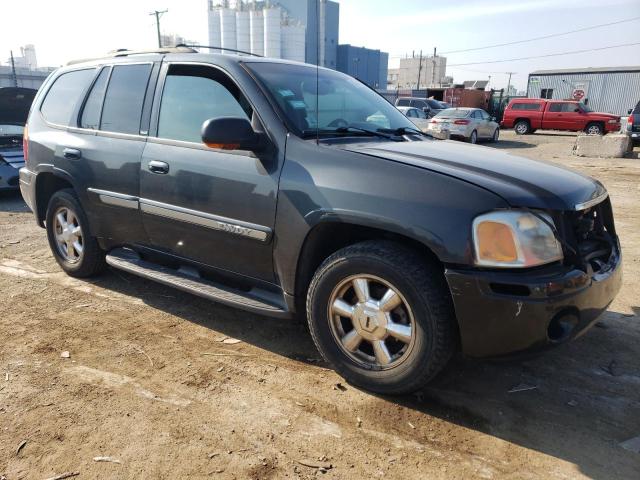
x,y
470,124
417,116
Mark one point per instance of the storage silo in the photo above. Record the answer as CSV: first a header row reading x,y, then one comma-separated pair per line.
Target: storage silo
x,y
214,28
228,28
256,27
293,42
272,32
243,34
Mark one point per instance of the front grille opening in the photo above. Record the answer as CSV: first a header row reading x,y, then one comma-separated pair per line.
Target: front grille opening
x,y
510,289
561,326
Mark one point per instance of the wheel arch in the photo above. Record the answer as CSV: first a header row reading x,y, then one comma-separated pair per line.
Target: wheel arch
x,y
48,182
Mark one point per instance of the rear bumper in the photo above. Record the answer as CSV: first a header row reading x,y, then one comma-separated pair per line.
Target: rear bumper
x,y
502,313
27,187
8,177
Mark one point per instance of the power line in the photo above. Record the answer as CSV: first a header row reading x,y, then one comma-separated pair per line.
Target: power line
x,y
552,35
544,56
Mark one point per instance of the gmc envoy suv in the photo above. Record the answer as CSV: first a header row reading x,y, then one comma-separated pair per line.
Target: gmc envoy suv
x,y
284,189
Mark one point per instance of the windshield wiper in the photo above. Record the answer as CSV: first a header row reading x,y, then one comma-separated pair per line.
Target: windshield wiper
x,y
406,130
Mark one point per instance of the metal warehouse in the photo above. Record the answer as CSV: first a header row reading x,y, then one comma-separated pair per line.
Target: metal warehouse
x,y
613,89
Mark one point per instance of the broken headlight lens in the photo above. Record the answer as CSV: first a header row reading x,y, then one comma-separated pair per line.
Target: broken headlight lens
x,y
514,239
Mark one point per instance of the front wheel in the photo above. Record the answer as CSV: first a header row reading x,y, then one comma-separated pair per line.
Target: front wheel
x,y
473,138
496,135
75,250
382,316
594,129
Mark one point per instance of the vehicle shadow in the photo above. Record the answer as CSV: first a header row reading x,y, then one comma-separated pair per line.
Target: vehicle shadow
x,y
11,201
576,403
511,144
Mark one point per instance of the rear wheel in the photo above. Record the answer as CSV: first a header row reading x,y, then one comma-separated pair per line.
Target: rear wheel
x,y
522,127
473,138
594,129
73,247
382,316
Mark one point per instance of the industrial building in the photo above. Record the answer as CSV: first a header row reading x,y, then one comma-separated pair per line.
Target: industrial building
x,y
22,70
612,89
287,29
418,72
365,64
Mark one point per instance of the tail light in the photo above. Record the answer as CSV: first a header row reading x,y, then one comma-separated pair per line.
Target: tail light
x,y
461,122
630,120
25,143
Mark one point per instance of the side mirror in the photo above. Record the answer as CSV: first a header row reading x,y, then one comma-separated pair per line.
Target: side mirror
x,y
630,111
493,119
230,133
426,109
577,110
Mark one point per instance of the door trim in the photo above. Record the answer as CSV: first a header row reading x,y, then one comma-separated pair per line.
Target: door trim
x,y
115,199
214,222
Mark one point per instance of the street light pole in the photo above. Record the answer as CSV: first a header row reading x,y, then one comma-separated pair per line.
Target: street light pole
x,y
158,14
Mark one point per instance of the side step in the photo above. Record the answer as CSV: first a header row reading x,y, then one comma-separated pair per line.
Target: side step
x,y
129,261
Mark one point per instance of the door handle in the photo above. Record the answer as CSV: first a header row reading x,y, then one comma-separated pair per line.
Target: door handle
x,y
72,154
158,167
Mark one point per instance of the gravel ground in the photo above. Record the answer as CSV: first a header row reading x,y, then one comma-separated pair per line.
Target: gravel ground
x,y
152,384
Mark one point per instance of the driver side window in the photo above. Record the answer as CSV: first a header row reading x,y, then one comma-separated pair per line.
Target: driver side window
x,y
192,95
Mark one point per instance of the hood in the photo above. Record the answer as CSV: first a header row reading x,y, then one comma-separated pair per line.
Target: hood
x,y
604,114
15,104
519,181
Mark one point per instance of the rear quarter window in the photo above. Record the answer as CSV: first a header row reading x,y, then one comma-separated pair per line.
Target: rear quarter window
x,y
526,106
124,98
63,96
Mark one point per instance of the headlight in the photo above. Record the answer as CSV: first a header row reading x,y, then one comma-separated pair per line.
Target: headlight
x,y
514,239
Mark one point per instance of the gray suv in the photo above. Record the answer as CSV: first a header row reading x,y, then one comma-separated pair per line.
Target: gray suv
x,y
283,189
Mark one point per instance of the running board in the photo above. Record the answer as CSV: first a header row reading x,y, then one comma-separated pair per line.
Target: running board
x,y
129,261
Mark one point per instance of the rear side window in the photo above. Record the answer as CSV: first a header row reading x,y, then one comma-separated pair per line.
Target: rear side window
x,y
124,98
526,106
404,102
193,95
64,94
93,106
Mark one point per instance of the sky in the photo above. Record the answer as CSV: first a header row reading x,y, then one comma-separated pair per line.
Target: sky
x,y
62,30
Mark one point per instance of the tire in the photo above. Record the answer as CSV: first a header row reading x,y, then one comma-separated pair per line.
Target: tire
x,y
594,129
425,306
473,138
85,263
496,136
522,127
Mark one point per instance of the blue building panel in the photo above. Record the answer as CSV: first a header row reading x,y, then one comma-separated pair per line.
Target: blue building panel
x,y
369,66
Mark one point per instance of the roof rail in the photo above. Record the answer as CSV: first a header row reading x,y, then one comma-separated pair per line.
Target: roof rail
x,y
182,45
123,52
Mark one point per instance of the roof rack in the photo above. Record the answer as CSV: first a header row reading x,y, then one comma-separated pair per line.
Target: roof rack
x,y
182,45
123,52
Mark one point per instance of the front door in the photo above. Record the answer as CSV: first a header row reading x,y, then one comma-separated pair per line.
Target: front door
x,y
212,206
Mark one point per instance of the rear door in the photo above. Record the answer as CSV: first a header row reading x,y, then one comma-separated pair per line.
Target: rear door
x,y
107,157
212,206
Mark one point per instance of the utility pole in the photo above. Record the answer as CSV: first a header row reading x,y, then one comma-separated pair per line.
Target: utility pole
x,y
509,83
433,74
419,70
13,71
158,14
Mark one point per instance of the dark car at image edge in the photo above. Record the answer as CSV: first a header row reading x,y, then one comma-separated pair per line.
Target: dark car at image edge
x,y
288,190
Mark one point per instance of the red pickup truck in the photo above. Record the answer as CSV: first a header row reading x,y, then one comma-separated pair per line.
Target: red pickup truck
x,y
526,115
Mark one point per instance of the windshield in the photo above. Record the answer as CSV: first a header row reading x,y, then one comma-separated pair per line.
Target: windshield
x,y
11,130
326,100
584,108
453,113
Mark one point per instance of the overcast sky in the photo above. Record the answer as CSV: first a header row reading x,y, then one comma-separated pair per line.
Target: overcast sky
x,y
65,29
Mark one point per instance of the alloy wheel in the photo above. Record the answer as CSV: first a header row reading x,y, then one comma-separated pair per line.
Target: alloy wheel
x,y
68,235
593,130
371,322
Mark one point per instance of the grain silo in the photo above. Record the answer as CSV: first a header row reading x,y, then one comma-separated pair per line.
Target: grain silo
x,y
256,27
228,28
272,32
293,42
243,33
214,28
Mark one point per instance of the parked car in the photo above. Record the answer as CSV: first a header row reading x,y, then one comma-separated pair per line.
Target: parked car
x,y
417,116
14,109
260,184
633,123
526,115
470,124
428,105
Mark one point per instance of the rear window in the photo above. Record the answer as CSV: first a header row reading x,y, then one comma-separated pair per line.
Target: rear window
x,y
64,94
404,102
525,106
453,113
124,98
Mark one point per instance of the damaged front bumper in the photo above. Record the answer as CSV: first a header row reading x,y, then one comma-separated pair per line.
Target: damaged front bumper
x,y
503,313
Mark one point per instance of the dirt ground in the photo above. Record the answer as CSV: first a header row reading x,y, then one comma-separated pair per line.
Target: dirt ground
x,y
152,384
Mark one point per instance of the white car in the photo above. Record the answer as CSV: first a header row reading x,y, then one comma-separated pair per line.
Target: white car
x,y
470,124
417,116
